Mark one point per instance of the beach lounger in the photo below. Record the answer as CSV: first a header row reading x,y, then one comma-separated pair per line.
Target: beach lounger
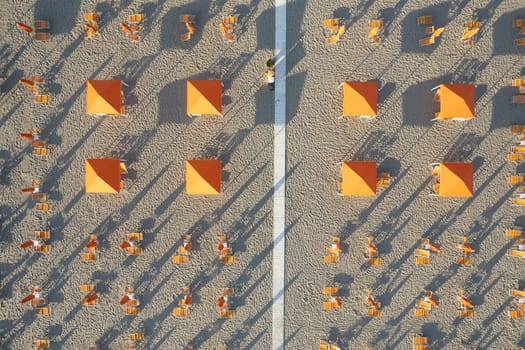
x,y
134,251
422,252
423,20
515,157
324,345
134,28
24,27
133,37
467,313
518,23
26,82
376,23
42,36
41,25
516,313
461,260
39,196
472,24
424,305
514,232
374,313
41,151
187,18
225,251
89,257
419,340
132,310
136,18
518,98
373,261
91,17
41,343
518,82
230,259
330,290
180,259
135,236
437,33
517,128
516,179
421,312
430,30
516,253
45,248
229,21
42,206
139,336
519,41
227,313
427,41
230,37
87,288
43,311
420,260
38,144
185,36
332,23
180,312
43,234
518,201
330,259
37,302
191,28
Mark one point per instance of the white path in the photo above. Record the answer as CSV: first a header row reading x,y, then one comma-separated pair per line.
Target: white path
x,y
279,176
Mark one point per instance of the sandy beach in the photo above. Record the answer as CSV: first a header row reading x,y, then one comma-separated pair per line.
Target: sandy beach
x,y
156,138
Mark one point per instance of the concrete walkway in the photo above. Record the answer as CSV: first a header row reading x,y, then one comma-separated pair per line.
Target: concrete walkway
x,y
279,177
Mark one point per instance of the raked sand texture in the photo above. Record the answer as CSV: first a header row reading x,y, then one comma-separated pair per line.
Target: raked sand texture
x,y
156,138
403,141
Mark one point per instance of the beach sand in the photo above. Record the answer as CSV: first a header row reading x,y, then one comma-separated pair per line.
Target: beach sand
x,y
156,137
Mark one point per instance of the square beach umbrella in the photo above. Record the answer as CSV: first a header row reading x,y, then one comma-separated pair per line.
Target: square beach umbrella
x,y
103,175
456,179
203,97
203,176
360,99
104,97
456,101
359,178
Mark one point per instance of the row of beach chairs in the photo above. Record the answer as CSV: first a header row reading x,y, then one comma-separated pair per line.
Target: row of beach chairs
x,y
430,29
40,30
520,25
518,99
35,84
133,28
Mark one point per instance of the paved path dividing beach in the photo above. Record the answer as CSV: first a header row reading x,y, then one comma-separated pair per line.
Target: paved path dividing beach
x,y
279,164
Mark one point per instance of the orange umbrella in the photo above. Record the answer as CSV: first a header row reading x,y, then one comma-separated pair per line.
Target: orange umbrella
x,y
104,97
203,176
204,97
103,175
359,178
360,99
457,101
457,180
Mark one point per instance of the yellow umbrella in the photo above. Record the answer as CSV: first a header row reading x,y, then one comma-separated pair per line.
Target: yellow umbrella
x,y
203,176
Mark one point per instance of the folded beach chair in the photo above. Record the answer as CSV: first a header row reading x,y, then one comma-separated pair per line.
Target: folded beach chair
x,y
430,30
437,33
43,311
185,36
43,234
41,151
191,28
38,144
136,18
372,301
26,82
423,20
24,27
41,24
90,300
42,36
519,41
41,343
515,157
